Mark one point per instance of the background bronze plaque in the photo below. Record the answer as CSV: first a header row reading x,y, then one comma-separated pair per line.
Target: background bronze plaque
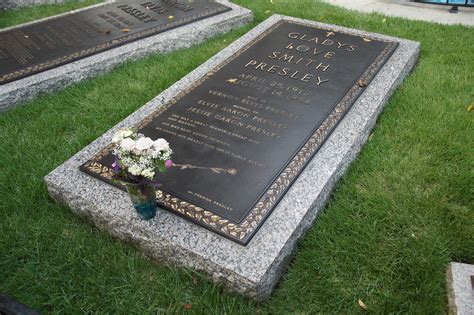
x,y
243,133
49,44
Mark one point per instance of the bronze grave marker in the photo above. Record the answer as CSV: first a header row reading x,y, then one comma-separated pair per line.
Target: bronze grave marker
x,y
243,133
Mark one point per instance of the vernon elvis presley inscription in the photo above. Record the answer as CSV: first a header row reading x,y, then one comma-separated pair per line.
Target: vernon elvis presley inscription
x,y
242,134
42,46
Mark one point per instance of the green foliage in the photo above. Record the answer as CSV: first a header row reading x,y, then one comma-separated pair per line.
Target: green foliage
x,y
403,211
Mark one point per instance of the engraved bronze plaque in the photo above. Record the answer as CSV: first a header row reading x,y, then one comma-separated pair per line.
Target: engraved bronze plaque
x,y
243,133
49,44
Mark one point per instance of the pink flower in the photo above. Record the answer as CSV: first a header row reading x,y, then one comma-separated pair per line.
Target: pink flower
x,y
168,163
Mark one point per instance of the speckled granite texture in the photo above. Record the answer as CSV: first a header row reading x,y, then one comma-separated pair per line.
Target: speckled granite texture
x,y
14,4
461,288
255,269
19,91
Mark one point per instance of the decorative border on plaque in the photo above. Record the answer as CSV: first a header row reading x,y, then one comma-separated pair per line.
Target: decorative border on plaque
x,y
111,44
243,232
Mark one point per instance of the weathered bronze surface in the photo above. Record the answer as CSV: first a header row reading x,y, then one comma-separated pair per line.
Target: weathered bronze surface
x,y
243,133
45,45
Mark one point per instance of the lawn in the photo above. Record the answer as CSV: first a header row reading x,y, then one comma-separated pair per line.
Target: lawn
x,y
402,212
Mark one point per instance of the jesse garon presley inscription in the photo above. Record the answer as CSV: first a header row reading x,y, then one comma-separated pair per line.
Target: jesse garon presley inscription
x,y
45,45
243,133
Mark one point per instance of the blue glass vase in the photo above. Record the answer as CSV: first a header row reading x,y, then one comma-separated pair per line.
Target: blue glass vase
x,y
143,197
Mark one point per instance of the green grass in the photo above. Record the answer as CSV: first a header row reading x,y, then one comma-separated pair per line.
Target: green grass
x,y
399,216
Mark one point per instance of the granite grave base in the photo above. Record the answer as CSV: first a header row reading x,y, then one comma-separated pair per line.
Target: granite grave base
x,y
22,90
252,270
461,288
16,4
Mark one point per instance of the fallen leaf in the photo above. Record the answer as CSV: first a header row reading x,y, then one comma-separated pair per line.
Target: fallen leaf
x,y
362,304
470,108
125,30
362,83
107,32
367,40
171,17
234,81
268,11
187,306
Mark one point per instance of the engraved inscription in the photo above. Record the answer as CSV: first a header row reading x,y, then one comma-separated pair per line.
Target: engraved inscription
x,y
142,16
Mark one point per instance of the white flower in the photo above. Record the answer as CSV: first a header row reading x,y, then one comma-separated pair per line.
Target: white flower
x,y
127,161
139,155
149,152
161,145
127,144
135,170
116,139
167,155
144,143
137,152
121,134
145,162
148,173
126,133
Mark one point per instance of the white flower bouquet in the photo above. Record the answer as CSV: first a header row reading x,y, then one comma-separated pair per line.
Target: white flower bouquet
x,y
137,158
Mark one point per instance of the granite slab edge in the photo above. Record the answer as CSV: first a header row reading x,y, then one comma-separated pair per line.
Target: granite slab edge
x,y
460,288
159,249
259,282
20,91
17,4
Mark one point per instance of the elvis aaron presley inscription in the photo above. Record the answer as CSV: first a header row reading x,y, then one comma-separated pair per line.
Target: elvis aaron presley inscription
x,y
243,133
48,44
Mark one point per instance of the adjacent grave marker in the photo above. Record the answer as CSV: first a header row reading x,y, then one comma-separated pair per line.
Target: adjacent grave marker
x,y
242,135
34,48
248,116
28,50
